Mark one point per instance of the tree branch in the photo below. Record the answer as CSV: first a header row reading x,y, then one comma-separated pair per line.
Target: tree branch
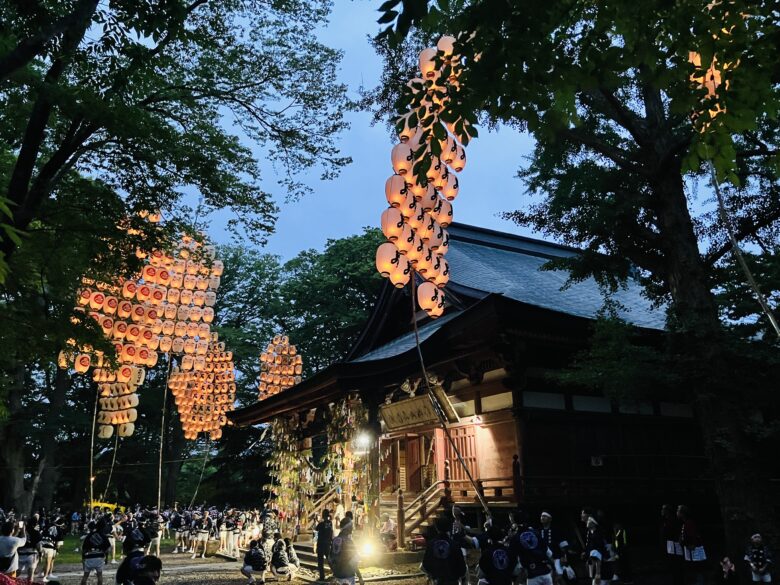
x,y
745,230
615,154
29,48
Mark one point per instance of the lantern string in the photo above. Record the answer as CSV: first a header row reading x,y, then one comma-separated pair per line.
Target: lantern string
x,y
111,469
737,251
437,407
202,469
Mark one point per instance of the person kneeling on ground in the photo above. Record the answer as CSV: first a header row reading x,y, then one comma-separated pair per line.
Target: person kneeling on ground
x,y
280,561
254,562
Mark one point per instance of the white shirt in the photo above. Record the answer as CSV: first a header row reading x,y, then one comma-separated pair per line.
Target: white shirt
x,y
8,547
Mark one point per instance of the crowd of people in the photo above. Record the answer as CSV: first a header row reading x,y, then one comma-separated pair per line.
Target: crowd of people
x,y
540,552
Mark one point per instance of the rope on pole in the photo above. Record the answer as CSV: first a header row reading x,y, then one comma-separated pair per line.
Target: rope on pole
x,y
111,470
202,469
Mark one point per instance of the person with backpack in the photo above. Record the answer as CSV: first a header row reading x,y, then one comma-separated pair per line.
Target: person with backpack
x,y
498,563
343,557
153,528
133,548
93,552
147,572
535,558
443,560
254,561
323,535
48,546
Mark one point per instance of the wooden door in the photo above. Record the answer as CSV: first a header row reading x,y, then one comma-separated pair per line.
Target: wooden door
x,y
413,465
465,439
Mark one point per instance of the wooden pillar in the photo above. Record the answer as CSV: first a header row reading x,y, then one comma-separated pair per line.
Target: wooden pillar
x,y
374,471
517,478
401,520
447,486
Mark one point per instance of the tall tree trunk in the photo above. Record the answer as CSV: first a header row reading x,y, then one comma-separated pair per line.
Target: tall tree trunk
x,y
700,347
50,474
12,446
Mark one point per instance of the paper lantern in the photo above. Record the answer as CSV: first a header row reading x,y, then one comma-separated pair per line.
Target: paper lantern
x,y
214,282
428,228
387,258
210,298
164,276
459,162
402,159
217,268
405,241
450,188
84,295
425,263
165,344
105,431
442,211
186,297
427,63
446,45
449,149
396,190
177,346
417,220
437,237
110,305
125,430
415,253
409,207
428,296
208,315
406,131
392,223
158,295
129,289
198,298
400,276
82,363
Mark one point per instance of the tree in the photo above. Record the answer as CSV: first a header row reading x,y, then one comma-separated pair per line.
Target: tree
x,y
606,90
140,94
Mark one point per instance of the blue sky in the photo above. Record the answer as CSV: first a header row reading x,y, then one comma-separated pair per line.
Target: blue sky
x,y
355,199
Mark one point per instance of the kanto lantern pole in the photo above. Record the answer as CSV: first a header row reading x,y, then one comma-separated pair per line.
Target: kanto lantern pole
x,y
162,432
111,471
92,451
437,406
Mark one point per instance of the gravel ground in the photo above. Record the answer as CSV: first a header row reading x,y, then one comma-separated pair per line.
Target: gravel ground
x,y
181,569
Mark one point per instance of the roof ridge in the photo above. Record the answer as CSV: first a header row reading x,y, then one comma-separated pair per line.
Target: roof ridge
x,y
510,242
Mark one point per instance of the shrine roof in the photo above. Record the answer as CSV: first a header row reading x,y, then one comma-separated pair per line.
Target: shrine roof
x,y
513,266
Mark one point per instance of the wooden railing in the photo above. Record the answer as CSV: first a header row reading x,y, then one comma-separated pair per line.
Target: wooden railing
x,y
324,501
492,489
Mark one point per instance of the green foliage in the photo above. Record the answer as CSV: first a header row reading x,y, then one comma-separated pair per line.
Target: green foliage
x,y
156,100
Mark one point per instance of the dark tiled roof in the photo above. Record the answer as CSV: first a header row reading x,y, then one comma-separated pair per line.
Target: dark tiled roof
x,y
406,342
495,262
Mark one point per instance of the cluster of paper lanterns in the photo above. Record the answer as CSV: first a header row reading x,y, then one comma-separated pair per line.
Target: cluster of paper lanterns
x,y
280,367
118,399
168,307
204,394
424,183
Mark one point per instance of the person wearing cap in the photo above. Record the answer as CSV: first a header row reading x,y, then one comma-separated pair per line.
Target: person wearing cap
x,y
595,549
759,559
555,542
